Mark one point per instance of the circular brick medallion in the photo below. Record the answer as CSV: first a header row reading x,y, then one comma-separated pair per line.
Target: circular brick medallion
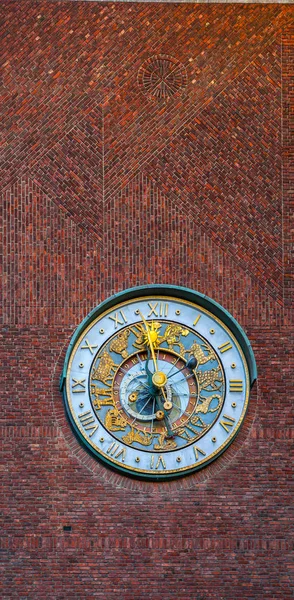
x,y
162,77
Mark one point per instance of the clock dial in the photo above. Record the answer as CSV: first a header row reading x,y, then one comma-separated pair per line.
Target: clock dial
x,y
188,401
156,386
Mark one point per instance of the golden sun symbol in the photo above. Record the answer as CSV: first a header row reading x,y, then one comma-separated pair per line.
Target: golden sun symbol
x,y
154,337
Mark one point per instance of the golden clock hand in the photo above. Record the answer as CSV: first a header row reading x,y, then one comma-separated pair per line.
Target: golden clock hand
x,y
165,398
168,424
158,379
149,340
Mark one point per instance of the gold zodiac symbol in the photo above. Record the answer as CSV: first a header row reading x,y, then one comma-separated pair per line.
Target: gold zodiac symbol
x,y
164,444
104,369
120,343
196,350
106,392
135,435
172,337
114,421
205,406
212,378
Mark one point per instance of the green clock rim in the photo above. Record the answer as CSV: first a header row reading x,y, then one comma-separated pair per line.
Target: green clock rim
x,y
178,292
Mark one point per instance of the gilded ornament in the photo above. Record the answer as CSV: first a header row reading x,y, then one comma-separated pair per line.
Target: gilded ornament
x,y
172,337
105,368
134,435
204,407
142,339
164,443
197,351
120,343
103,396
210,379
114,421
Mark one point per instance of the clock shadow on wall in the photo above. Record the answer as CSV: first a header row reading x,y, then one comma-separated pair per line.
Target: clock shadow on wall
x,y
156,381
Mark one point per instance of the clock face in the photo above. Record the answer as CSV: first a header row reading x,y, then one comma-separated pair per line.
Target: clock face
x,y
156,385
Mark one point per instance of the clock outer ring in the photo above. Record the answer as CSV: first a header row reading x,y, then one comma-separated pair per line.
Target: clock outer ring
x,y
151,291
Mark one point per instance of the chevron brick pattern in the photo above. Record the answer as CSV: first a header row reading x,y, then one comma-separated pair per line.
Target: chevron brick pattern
x,y
215,51
71,172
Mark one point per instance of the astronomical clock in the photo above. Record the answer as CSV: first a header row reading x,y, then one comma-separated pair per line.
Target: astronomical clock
x,y
156,381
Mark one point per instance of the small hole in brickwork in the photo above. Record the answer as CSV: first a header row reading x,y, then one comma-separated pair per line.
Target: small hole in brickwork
x,y
66,527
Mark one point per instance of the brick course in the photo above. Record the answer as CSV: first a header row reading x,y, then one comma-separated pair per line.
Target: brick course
x,y
104,189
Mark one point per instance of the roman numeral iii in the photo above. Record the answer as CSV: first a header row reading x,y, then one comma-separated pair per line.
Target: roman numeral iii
x,y
236,385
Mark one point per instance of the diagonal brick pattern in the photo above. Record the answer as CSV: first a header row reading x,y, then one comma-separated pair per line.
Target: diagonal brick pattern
x,y
152,239
214,51
288,161
51,268
224,171
71,172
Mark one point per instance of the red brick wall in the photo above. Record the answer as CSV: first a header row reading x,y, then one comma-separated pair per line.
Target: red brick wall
x,y
103,189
